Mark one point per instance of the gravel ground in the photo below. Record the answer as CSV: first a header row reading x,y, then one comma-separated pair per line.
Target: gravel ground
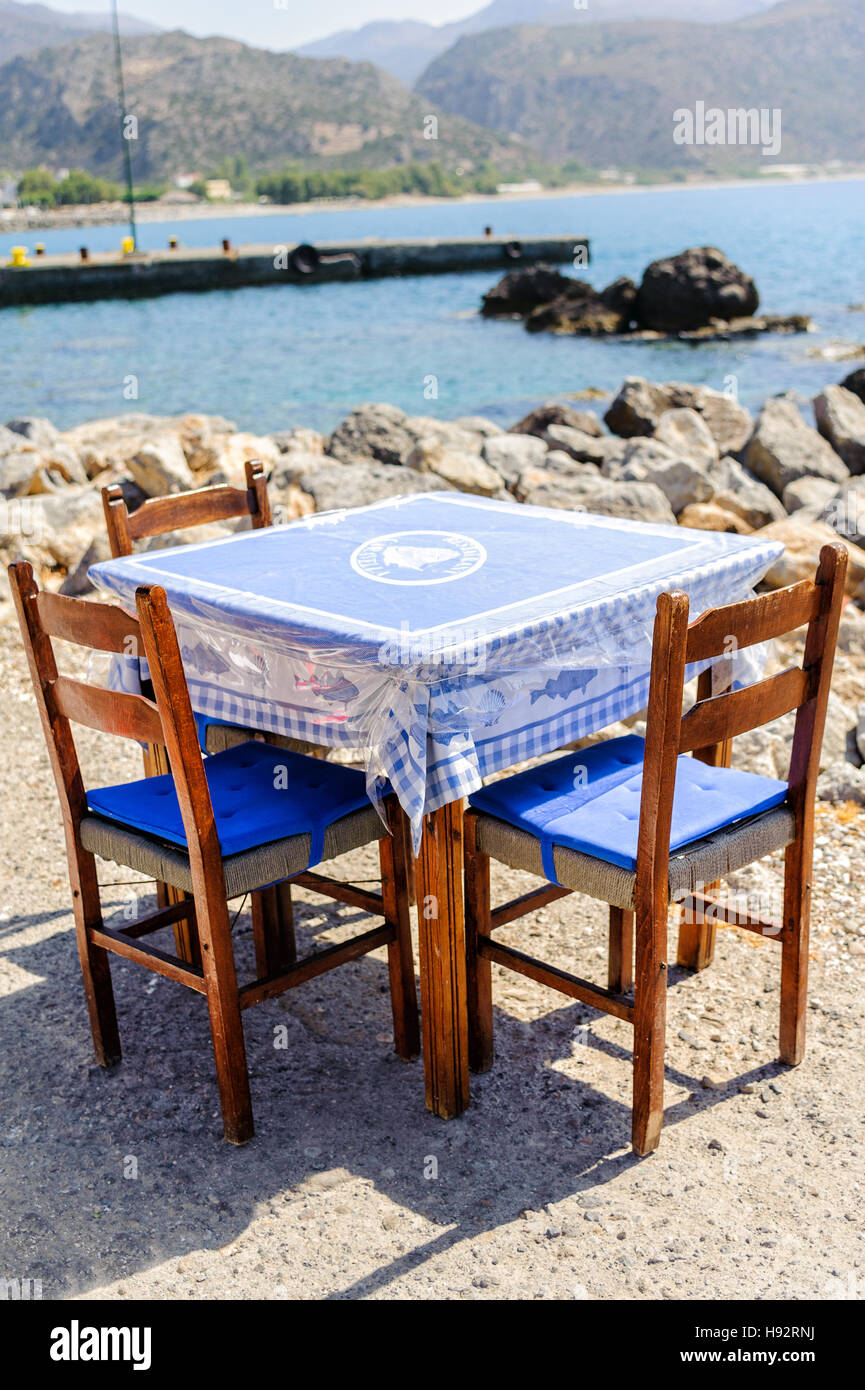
x,y
119,1185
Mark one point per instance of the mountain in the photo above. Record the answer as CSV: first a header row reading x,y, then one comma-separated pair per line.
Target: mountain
x,y
199,101
406,47
27,28
605,93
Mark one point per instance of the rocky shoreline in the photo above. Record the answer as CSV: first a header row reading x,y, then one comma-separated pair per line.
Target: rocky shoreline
x,y
670,452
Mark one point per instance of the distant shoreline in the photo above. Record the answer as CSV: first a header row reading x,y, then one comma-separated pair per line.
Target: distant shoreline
x,y
115,214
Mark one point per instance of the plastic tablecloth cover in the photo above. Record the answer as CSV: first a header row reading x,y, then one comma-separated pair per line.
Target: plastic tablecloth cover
x,y
446,636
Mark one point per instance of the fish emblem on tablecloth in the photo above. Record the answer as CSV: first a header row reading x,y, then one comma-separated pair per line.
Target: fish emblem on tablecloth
x,y
564,684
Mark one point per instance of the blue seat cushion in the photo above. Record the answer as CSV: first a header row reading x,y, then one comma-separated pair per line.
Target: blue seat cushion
x,y
259,794
590,801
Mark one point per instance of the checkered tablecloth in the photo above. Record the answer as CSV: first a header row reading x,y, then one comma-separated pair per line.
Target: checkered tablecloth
x,y
447,636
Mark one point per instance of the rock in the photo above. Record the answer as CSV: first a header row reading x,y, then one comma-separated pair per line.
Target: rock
x,y
447,433
333,484
231,454
621,297
586,448
842,782
110,444
377,432
40,434
588,317
202,439
860,730
558,468
840,416
845,511
521,291
851,631
706,516
56,529
555,413
808,492
637,408
728,422
687,435
159,467
738,491
58,462
463,471
634,501
803,542
290,466
783,448
855,382
682,481
298,441
511,454
689,290
17,472
478,424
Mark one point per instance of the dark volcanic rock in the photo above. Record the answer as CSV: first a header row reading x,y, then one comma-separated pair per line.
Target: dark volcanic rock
x,y
685,292
589,317
621,297
855,382
521,291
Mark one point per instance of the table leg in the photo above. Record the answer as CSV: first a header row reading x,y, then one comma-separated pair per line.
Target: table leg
x,y
441,929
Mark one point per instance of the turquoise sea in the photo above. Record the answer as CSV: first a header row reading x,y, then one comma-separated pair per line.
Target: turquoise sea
x,y
280,356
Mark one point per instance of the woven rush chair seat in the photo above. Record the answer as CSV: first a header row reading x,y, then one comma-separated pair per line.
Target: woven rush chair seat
x,y
267,833
704,861
574,821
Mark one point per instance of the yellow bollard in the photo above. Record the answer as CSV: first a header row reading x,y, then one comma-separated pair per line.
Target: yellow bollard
x,y
19,255
127,245
40,248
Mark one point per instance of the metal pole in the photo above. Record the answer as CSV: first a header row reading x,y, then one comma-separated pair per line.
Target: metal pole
x,y
127,153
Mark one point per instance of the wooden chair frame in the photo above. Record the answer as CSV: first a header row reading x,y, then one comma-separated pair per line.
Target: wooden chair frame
x,y
272,909
706,731
168,724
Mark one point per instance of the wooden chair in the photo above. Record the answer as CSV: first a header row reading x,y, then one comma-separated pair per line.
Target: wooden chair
x,y
216,829
618,837
159,515
156,517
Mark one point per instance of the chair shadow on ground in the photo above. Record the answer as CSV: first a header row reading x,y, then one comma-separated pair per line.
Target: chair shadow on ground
x,y
333,1097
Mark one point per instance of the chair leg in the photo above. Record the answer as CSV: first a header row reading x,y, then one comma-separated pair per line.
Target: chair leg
x,y
650,1007
794,954
621,959
226,1023
273,929
95,969
479,970
395,877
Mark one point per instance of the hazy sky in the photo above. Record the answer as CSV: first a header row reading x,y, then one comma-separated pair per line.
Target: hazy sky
x,y
278,23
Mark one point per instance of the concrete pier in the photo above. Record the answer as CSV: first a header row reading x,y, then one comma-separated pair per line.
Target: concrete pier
x,y
182,270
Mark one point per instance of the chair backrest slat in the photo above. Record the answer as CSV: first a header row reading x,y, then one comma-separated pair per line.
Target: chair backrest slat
x,y
722,717
159,515
756,620
64,701
108,711
100,626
